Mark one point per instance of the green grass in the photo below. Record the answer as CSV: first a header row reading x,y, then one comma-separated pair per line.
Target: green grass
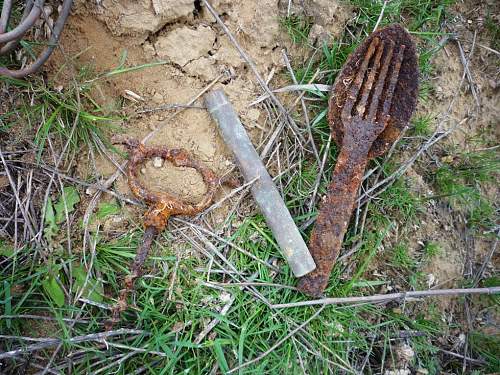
x,y
489,347
421,126
248,330
69,116
493,28
460,182
401,258
399,201
297,27
431,250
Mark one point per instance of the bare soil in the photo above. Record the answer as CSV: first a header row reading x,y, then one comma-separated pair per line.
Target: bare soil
x,y
196,52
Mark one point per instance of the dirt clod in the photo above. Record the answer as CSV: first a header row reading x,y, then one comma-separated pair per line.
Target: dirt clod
x,y
185,44
140,18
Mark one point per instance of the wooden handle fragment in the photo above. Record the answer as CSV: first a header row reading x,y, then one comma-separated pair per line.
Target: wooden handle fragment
x,y
264,190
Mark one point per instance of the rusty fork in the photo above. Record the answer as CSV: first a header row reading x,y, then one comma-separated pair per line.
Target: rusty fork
x,y
161,205
370,95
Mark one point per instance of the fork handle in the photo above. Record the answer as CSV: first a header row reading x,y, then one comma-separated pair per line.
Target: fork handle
x,y
334,215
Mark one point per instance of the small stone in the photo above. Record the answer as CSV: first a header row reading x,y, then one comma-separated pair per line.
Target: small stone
x,y
4,181
149,49
422,371
318,35
48,10
339,327
431,280
405,353
225,297
158,98
178,326
447,159
157,162
143,170
90,190
461,339
253,114
115,223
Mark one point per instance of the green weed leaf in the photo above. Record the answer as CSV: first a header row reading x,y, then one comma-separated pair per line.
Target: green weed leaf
x,y
8,301
71,197
94,289
6,250
51,227
107,209
221,358
53,290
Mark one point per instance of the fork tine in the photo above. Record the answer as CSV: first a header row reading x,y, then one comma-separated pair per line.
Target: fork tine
x,y
372,112
356,85
367,87
394,80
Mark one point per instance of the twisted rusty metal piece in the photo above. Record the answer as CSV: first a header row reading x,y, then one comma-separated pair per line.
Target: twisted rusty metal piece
x,y
10,39
372,101
162,205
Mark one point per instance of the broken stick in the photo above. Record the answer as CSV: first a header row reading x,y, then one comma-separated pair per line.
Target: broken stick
x,y
264,191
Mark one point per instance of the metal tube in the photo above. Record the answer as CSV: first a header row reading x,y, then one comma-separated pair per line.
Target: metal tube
x,y
264,191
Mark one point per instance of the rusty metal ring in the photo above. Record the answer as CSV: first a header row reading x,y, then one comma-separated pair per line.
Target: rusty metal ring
x,y
163,204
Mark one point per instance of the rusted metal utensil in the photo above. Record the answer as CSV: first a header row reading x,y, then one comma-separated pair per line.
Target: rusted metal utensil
x,y
162,205
372,101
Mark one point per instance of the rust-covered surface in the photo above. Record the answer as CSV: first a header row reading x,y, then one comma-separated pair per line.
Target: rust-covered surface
x,y
405,93
372,101
161,205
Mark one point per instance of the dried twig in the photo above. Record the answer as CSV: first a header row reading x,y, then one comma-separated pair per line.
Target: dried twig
x,y
466,64
381,15
304,108
405,296
308,87
50,342
215,321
